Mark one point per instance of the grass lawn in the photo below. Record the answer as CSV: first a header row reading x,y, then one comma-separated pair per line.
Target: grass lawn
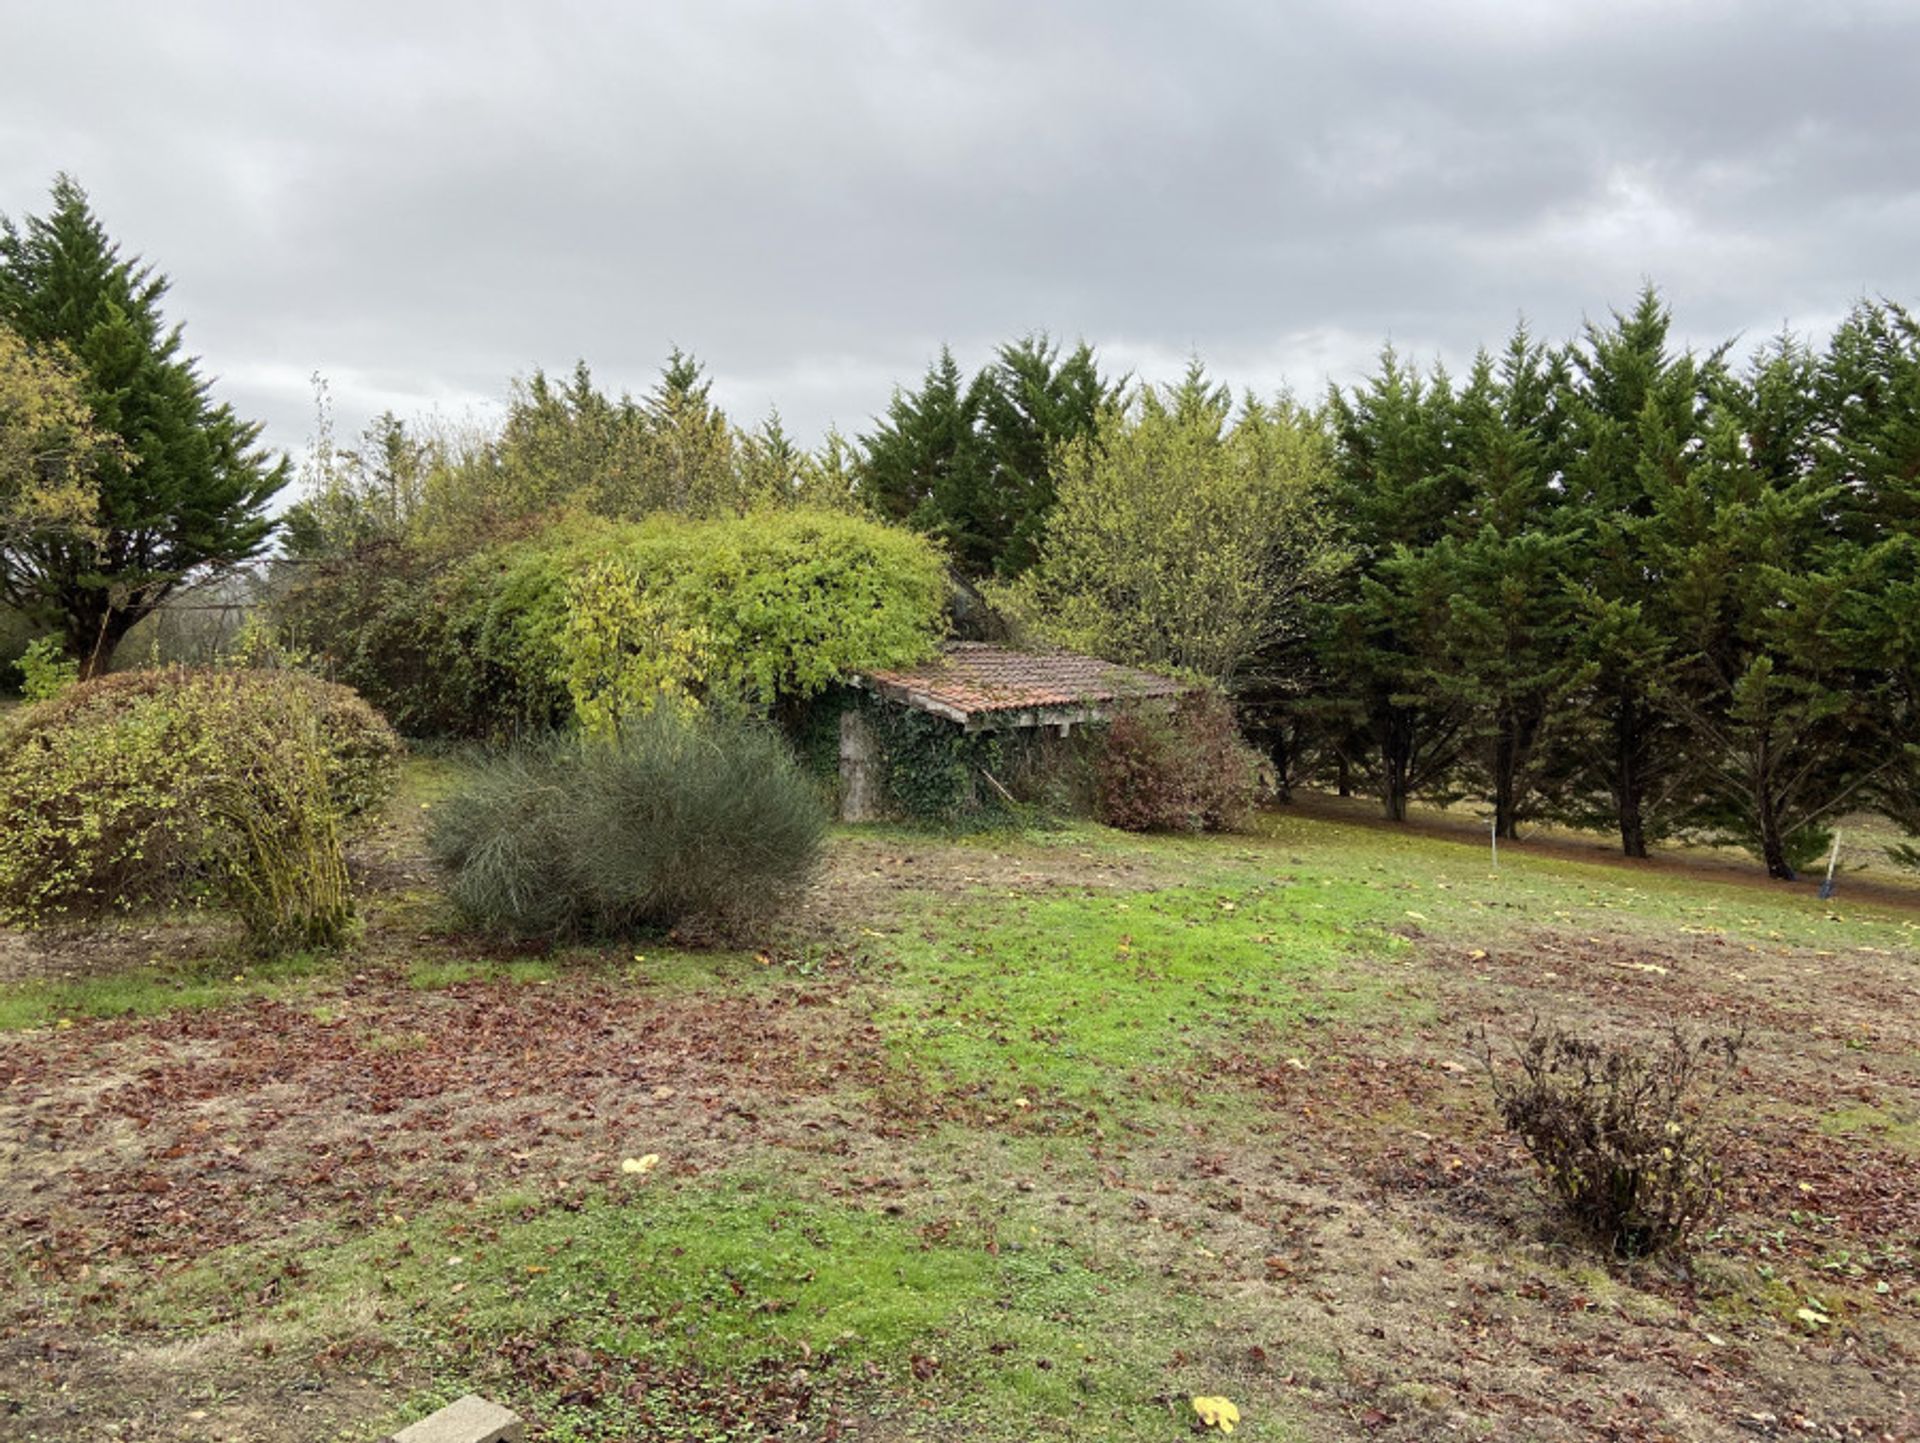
x,y
1011,1137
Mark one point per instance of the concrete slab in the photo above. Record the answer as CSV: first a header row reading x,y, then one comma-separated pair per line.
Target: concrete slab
x,y
471,1419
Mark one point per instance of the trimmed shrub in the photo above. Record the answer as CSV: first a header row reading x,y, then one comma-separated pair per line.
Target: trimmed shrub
x,y
1620,1133
178,786
1183,768
676,820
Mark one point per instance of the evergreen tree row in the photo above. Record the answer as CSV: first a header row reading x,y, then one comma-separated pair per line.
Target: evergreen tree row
x,y
1618,584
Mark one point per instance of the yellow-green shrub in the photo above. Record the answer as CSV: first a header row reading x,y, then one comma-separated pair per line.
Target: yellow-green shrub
x,y
592,619
761,609
180,785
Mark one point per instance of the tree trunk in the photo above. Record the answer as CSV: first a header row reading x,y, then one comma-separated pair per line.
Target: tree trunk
x,y
1773,847
1396,765
94,628
1506,765
1773,837
1343,773
1629,784
1281,754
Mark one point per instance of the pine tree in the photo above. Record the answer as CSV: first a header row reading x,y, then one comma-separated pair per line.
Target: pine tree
x,y
1634,418
926,465
1497,588
1398,490
1031,402
187,491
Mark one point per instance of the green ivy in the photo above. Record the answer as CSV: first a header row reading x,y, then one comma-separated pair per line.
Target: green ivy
x,y
933,767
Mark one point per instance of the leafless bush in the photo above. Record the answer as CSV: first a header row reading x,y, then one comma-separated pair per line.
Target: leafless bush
x,y
1622,1133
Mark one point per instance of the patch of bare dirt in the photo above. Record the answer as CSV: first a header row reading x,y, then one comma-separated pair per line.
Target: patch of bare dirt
x,y
867,877
223,1126
182,1393
1454,1302
73,954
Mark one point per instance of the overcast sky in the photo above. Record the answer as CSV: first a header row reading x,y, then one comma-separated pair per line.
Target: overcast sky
x,y
422,200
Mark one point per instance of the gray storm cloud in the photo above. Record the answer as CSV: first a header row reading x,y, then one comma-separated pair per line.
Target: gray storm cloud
x,y
421,200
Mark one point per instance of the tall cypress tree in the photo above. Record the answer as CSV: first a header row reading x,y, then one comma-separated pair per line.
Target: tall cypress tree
x,y
1495,591
1032,401
1397,491
1870,404
927,466
1743,547
1634,416
187,491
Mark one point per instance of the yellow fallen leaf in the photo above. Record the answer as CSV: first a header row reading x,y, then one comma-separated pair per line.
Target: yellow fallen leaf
x,y
1217,1413
1418,916
1811,1317
641,1165
1478,954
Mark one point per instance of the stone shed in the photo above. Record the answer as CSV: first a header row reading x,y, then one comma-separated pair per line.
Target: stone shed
x,y
974,689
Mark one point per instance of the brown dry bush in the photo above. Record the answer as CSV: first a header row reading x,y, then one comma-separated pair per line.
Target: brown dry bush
x,y
1179,769
1622,1133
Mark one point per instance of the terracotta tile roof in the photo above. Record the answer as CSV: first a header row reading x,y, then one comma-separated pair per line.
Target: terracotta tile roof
x,y
971,679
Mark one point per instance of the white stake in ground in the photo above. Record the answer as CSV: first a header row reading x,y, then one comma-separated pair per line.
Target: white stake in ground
x,y
1826,887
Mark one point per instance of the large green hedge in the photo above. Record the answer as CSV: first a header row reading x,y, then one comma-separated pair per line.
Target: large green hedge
x,y
590,619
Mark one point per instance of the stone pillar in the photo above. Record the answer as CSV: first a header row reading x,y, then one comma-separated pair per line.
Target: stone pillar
x,y
860,763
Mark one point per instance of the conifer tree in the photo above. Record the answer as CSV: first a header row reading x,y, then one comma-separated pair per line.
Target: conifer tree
x,y
1032,401
693,463
185,493
1748,563
1491,599
1869,387
1498,585
772,465
1634,417
925,465
1397,492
